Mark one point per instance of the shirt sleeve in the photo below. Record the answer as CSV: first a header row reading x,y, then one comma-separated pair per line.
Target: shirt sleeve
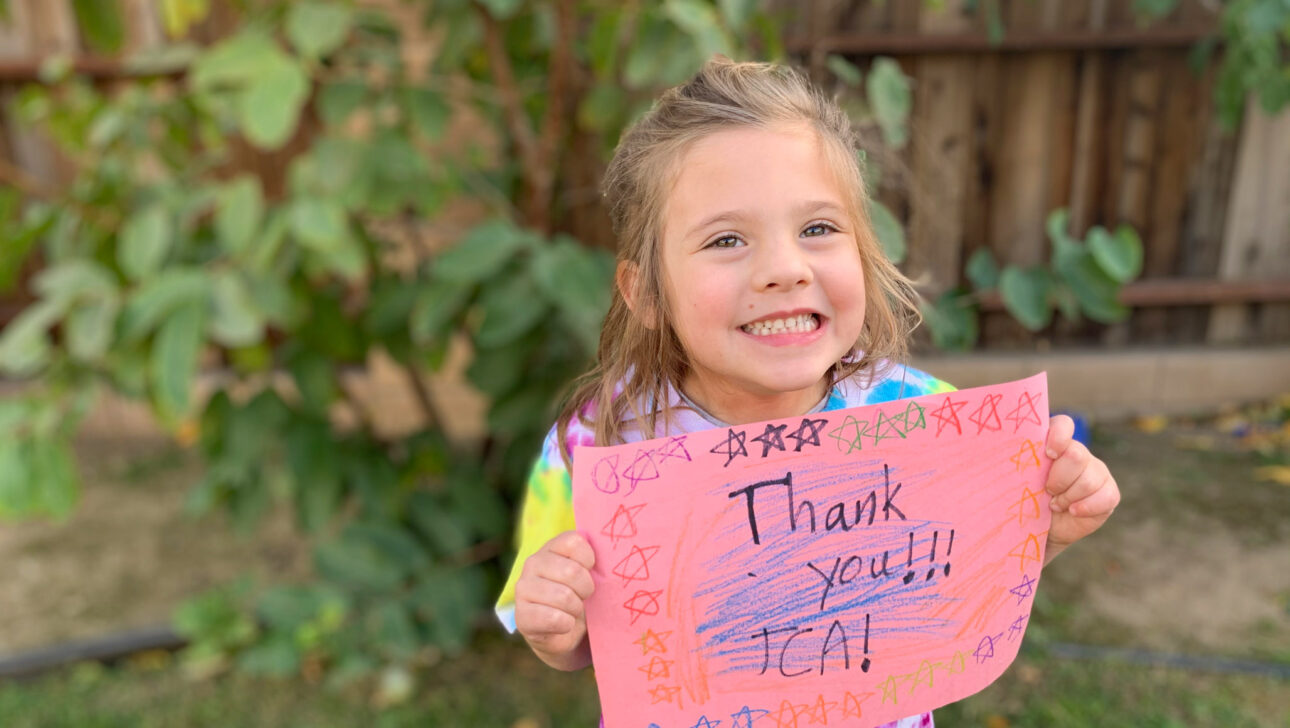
x,y
546,513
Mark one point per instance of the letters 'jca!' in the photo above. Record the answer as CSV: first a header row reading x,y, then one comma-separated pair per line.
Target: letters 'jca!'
x,y
843,568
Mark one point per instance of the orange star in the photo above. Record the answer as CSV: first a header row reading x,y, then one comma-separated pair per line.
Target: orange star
x,y
665,694
1027,456
657,668
851,704
652,641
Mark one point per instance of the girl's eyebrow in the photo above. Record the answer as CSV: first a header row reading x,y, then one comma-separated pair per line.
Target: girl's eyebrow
x,y
810,207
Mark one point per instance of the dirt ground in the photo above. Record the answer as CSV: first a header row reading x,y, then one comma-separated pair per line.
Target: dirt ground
x,y
1196,560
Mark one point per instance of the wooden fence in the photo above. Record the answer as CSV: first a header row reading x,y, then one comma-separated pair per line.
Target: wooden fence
x,y
1078,105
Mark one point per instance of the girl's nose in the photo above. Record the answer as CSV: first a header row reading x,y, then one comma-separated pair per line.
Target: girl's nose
x,y
781,266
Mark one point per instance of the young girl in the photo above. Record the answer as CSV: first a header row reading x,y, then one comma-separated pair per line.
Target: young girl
x,y
750,286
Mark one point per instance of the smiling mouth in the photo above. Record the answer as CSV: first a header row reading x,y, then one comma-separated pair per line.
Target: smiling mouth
x,y
799,324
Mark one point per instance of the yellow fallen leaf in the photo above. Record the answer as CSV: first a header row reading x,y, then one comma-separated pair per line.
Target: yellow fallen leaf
x,y
1196,442
1151,424
525,723
996,721
1274,474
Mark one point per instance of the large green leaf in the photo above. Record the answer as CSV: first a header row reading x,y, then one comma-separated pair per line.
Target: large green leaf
x,y
17,486
235,62
158,296
953,321
55,481
437,303
100,24
1025,295
448,600
89,327
982,270
146,238
428,111
24,343
338,99
570,279
1097,292
269,107
699,19
173,364
890,99
316,29
319,224
1120,255
239,212
235,320
511,307
482,252
845,70
889,231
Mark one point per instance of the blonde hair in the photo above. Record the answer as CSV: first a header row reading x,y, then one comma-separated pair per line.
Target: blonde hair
x,y
640,355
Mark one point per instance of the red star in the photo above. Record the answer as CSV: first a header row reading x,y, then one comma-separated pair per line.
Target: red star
x,y
623,524
635,565
948,414
1026,411
986,416
643,604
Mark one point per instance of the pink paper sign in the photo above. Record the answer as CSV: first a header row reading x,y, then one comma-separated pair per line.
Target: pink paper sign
x,y
844,568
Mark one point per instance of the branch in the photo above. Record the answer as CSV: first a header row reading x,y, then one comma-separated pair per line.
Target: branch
x,y
512,103
553,125
428,407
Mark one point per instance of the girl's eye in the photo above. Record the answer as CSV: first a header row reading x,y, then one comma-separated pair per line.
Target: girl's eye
x,y
817,229
725,241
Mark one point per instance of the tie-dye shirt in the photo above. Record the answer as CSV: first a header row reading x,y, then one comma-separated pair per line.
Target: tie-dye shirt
x,y
548,502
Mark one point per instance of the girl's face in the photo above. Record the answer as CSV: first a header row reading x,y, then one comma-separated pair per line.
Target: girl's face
x,y
762,269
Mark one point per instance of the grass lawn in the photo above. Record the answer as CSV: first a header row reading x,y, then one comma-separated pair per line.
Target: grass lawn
x,y
501,685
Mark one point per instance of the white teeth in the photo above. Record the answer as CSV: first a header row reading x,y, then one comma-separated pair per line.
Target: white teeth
x,y
793,325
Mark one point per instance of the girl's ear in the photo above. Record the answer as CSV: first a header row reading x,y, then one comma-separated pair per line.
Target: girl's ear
x,y
628,279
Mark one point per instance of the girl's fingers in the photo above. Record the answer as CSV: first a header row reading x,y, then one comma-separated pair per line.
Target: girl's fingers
x,y
1087,482
1068,468
549,597
1061,432
541,620
1099,503
573,545
560,570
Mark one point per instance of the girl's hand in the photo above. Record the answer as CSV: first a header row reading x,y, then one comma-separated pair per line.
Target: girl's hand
x,y
1084,493
549,596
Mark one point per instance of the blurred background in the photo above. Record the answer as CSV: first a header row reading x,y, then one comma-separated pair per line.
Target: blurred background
x,y
288,291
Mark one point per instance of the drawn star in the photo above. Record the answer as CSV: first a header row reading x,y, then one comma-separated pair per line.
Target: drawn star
x,y
852,704
889,425
807,433
642,468
786,716
912,424
673,448
643,604
735,445
890,689
986,416
1027,456
1017,628
985,648
657,668
1026,411
771,439
665,694
1029,501
605,475
1027,550
705,723
623,524
948,414
818,712
924,676
745,714
958,663
1024,590
635,565
849,441
652,641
